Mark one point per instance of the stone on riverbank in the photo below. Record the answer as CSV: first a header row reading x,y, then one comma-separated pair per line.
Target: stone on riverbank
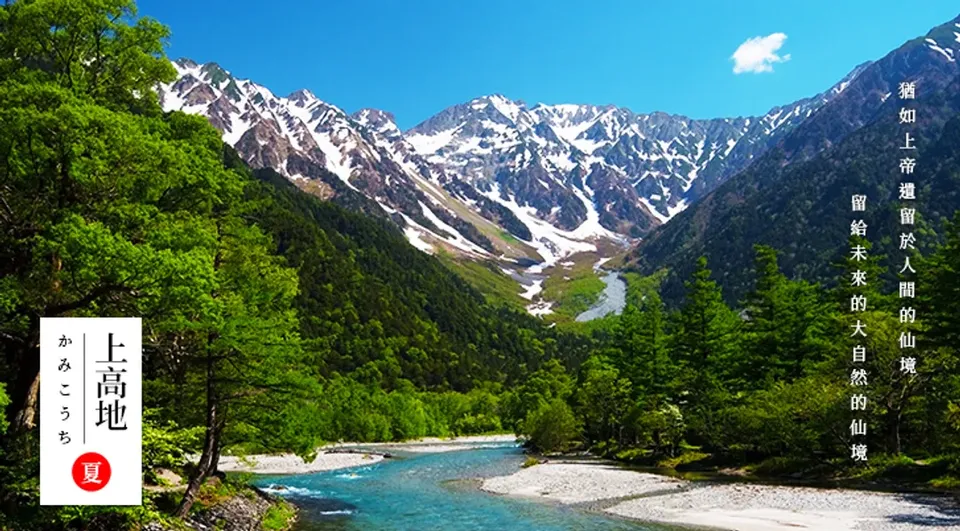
x,y
740,507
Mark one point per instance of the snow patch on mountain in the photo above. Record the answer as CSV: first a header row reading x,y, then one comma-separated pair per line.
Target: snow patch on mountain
x,y
946,52
494,138
561,177
541,308
532,290
457,239
366,152
429,144
414,236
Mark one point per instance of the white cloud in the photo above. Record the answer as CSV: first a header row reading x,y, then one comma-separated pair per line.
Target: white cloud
x,y
757,54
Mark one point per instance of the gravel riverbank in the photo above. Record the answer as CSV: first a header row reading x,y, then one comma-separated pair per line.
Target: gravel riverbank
x,y
578,483
347,455
653,498
291,464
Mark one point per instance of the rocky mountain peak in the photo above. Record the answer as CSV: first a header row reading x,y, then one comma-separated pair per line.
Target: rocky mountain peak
x,y
302,98
382,122
186,63
557,177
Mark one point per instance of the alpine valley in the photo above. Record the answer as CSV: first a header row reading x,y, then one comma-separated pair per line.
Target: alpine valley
x,y
472,324
524,190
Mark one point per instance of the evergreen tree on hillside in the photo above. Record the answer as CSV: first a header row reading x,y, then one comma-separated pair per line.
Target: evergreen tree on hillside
x,y
938,306
941,298
704,339
784,328
763,358
641,349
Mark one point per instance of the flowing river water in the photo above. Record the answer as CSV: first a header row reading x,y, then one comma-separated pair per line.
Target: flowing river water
x,y
431,491
612,300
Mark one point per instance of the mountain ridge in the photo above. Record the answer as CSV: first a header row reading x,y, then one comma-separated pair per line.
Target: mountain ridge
x,y
555,199
788,185
496,179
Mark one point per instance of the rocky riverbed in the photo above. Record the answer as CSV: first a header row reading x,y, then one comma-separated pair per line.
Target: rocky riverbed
x,y
740,507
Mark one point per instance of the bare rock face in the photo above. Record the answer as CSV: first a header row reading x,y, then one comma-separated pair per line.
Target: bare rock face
x,y
324,150
538,155
244,512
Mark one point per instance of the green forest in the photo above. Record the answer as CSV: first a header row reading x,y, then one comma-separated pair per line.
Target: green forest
x,y
275,322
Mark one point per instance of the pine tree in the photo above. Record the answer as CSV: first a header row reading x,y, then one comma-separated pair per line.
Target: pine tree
x,y
704,338
785,327
642,345
763,356
941,291
938,311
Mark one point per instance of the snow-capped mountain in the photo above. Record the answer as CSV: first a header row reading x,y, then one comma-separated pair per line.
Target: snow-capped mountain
x,y
555,178
331,153
300,136
637,170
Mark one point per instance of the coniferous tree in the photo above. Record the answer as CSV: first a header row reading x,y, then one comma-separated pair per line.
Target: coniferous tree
x,y
704,339
938,309
785,326
763,357
603,397
642,347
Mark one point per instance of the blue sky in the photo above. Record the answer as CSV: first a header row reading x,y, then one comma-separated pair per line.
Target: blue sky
x,y
417,58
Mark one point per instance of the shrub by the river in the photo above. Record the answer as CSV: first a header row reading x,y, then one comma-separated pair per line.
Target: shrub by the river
x,y
552,427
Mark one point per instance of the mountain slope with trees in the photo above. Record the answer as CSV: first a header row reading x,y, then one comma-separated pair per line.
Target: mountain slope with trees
x,y
801,207
272,320
765,386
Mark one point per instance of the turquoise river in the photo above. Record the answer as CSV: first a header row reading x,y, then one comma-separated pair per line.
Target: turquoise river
x,y
430,491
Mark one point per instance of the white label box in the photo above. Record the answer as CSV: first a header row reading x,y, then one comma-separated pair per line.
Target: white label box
x,y
91,407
